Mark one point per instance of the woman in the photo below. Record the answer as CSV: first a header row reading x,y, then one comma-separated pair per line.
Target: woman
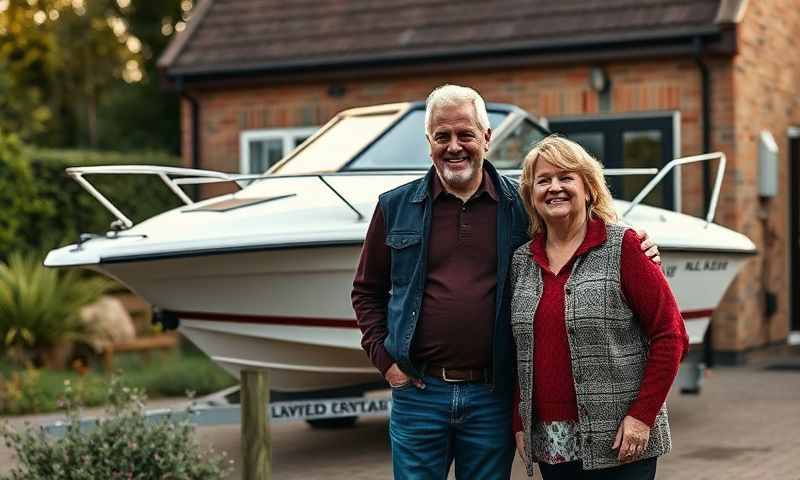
x,y
599,335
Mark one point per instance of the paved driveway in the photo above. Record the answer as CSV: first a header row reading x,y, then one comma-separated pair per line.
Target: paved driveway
x,y
745,425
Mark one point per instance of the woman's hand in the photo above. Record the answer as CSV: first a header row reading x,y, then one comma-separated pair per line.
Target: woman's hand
x,y
632,438
519,437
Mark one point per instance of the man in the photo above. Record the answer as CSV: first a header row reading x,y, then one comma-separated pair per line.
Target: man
x,y
429,298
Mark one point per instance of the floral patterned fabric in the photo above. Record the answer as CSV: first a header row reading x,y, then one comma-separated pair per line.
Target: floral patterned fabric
x,y
555,442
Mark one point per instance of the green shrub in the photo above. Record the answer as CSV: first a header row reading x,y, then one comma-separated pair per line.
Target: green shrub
x,y
39,307
123,445
39,390
44,208
173,374
21,207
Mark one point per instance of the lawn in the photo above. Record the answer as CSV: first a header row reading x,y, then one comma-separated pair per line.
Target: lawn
x,y
165,374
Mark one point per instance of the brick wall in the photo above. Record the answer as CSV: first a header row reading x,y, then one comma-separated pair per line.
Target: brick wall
x,y
765,81
748,94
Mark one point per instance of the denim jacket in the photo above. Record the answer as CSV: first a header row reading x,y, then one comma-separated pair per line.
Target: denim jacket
x,y
407,217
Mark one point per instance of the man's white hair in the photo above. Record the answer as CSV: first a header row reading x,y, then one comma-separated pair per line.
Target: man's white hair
x,y
454,95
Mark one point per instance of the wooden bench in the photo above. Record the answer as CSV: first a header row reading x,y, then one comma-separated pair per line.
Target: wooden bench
x,y
160,341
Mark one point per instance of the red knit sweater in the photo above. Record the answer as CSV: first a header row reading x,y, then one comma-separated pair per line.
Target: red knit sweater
x,y
648,295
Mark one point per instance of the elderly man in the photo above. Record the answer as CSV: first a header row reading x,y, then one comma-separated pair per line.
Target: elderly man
x,y
429,298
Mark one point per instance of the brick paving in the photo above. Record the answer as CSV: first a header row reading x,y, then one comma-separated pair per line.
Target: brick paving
x,y
745,425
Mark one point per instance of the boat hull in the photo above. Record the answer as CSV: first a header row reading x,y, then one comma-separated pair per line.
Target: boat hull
x,y
288,310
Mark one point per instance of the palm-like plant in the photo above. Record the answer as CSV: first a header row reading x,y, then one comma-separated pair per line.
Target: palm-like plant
x,y
39,307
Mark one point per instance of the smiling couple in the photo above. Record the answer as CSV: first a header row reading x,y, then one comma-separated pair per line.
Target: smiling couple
x,y
502,313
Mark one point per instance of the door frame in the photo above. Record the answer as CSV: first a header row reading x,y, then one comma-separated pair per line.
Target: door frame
x,y
794,229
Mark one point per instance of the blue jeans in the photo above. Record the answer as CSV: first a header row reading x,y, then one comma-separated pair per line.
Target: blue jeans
x,y
466,422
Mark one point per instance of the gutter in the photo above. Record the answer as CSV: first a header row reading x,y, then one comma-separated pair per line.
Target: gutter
x,y
669,42
194,131
705,86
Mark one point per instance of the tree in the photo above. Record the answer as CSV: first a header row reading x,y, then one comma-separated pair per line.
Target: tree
x,y
82,73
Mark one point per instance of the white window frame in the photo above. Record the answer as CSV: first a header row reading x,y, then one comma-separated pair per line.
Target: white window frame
x,y
286,135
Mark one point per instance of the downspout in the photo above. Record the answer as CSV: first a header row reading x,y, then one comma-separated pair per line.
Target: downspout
x,y
705,87
194,132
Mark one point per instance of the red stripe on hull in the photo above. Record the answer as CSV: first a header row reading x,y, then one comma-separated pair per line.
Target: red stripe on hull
x,y
269,320
690,314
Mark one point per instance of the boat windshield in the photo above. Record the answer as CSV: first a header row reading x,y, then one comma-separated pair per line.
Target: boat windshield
x,y
361,142
405,146
335,146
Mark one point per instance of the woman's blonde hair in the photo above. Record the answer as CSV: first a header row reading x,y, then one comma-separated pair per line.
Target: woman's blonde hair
x,y
567,155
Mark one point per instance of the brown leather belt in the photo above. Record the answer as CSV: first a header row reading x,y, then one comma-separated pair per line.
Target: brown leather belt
x,y
459,375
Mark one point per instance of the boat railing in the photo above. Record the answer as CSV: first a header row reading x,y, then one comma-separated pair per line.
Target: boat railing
x,y
174,177
706,157
166,174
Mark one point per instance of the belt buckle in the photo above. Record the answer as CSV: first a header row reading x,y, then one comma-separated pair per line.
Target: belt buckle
x,y
450,380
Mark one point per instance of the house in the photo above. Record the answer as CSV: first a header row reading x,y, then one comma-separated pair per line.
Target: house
x,y
638,82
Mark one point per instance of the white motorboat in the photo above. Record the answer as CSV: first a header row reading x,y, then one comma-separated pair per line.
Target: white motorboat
x,y
261,278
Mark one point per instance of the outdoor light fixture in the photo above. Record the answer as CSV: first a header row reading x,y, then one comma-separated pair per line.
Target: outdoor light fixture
x,y
598,80
336,91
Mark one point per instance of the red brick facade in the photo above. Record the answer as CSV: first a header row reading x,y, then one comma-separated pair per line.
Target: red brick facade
x,y
753,91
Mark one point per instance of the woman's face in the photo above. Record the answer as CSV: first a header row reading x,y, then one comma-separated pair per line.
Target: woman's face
x,y
558,193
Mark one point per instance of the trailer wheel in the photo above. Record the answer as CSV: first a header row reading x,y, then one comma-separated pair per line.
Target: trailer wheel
x,y
332,423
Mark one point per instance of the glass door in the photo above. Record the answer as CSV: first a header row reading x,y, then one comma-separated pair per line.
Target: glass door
x,y
628,142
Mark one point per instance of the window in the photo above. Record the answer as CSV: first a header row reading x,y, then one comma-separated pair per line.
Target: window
x,y
631,141
260,149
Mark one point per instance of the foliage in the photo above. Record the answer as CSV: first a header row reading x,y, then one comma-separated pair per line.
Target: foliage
x,y
20,204
24,391
173,374
43,208
69,68
33,390
39,307
123,445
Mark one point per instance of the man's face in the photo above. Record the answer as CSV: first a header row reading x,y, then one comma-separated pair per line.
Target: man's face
x,y
458,145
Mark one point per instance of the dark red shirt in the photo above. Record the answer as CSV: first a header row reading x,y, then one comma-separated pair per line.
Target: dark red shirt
x,y
458,308
648,295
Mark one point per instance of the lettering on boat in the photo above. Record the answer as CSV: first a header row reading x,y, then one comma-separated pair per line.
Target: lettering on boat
x,y
706,265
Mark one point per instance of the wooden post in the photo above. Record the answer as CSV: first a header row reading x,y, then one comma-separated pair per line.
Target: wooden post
x,y
256,442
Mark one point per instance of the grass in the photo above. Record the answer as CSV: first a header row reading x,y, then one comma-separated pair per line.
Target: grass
x,y
167,374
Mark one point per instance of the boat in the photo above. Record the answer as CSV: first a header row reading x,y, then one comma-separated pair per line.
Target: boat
x,y
261,278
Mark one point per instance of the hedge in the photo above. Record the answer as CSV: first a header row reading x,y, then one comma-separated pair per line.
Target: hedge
x,y
42,207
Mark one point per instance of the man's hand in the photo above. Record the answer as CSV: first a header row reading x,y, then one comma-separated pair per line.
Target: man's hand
x,y
519,437
648,247
632,438
397,378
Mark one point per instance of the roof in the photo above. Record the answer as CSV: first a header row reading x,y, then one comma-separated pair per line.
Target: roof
x,y
241,36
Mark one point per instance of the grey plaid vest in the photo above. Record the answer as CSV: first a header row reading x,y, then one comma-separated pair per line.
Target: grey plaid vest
x,y
607,347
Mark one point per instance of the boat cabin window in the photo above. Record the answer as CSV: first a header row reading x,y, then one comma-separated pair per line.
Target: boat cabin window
x,y
405,146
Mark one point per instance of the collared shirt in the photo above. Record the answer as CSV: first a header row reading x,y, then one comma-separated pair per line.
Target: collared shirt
x,y
458,307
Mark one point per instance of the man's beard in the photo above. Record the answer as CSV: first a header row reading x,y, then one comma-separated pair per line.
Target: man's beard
x,y
460,178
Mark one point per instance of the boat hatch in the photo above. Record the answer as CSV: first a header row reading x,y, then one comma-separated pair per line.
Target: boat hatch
x,y
233,203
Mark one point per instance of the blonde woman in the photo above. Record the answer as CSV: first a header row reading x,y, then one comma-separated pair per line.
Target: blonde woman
x,y
599,335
